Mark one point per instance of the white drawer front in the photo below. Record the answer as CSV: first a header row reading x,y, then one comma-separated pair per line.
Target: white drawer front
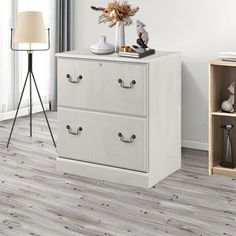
x,y
104,139
103,86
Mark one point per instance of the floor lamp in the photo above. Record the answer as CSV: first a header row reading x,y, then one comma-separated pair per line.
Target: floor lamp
x,y
30,29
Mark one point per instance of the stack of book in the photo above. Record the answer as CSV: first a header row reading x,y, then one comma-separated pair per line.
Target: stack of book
x,y
228,56
134,54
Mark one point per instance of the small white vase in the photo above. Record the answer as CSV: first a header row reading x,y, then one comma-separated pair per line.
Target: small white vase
x,y
120,36
102,47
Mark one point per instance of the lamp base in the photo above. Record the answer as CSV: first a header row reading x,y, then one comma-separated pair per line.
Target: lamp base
x,y
30,76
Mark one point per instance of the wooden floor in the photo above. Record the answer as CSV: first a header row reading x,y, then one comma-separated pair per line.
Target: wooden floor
x,y
36,200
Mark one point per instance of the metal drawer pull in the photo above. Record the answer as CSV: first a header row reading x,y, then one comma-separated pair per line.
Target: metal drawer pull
x,y
122,84
74,133
122,139
70,79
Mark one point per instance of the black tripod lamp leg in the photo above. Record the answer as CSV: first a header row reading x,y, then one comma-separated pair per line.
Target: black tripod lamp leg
x,y
30,80
44,110
18,107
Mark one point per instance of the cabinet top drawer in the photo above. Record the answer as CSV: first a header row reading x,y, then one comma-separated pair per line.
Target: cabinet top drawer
x,y
103,86
86,54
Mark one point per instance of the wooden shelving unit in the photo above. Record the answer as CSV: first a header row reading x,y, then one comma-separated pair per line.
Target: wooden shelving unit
x,y
221,75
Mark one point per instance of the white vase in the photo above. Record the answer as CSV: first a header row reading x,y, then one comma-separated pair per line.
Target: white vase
x,y
102,47
120,36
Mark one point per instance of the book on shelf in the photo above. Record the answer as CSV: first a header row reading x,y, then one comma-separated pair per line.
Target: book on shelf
x,y
228,56
137,54
229,59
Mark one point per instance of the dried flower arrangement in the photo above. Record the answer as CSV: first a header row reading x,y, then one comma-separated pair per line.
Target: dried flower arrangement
x,y
116,12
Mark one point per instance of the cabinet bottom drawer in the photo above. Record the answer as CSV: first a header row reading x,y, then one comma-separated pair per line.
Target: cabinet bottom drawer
x,y
111,140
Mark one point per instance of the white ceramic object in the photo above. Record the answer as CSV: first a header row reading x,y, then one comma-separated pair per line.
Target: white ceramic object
x,y
120,36
102,47
228,105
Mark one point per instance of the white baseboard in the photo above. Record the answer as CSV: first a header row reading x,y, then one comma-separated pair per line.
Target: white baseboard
x,y
22,112
195,145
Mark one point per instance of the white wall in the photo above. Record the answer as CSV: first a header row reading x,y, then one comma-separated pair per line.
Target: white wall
x,y
199,29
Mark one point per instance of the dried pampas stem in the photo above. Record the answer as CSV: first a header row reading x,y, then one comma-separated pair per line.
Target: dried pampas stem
x,y
116,12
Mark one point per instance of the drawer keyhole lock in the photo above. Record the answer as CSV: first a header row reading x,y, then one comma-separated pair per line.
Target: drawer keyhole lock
x,y
122,84
124,140
70,131
74,81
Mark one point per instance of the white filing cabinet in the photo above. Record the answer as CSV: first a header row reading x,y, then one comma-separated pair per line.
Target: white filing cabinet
x,y
119,119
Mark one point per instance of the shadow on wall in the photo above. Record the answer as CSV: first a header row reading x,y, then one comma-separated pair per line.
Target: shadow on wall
x,y
194,99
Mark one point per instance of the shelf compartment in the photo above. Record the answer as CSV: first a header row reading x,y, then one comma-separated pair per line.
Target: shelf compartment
x,y
216,141
221,78
219,170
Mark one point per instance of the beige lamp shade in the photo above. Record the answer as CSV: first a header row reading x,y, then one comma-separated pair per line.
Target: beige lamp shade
x,y
30,28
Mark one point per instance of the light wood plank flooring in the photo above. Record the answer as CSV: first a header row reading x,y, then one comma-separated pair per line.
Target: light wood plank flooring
x,y
36,200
